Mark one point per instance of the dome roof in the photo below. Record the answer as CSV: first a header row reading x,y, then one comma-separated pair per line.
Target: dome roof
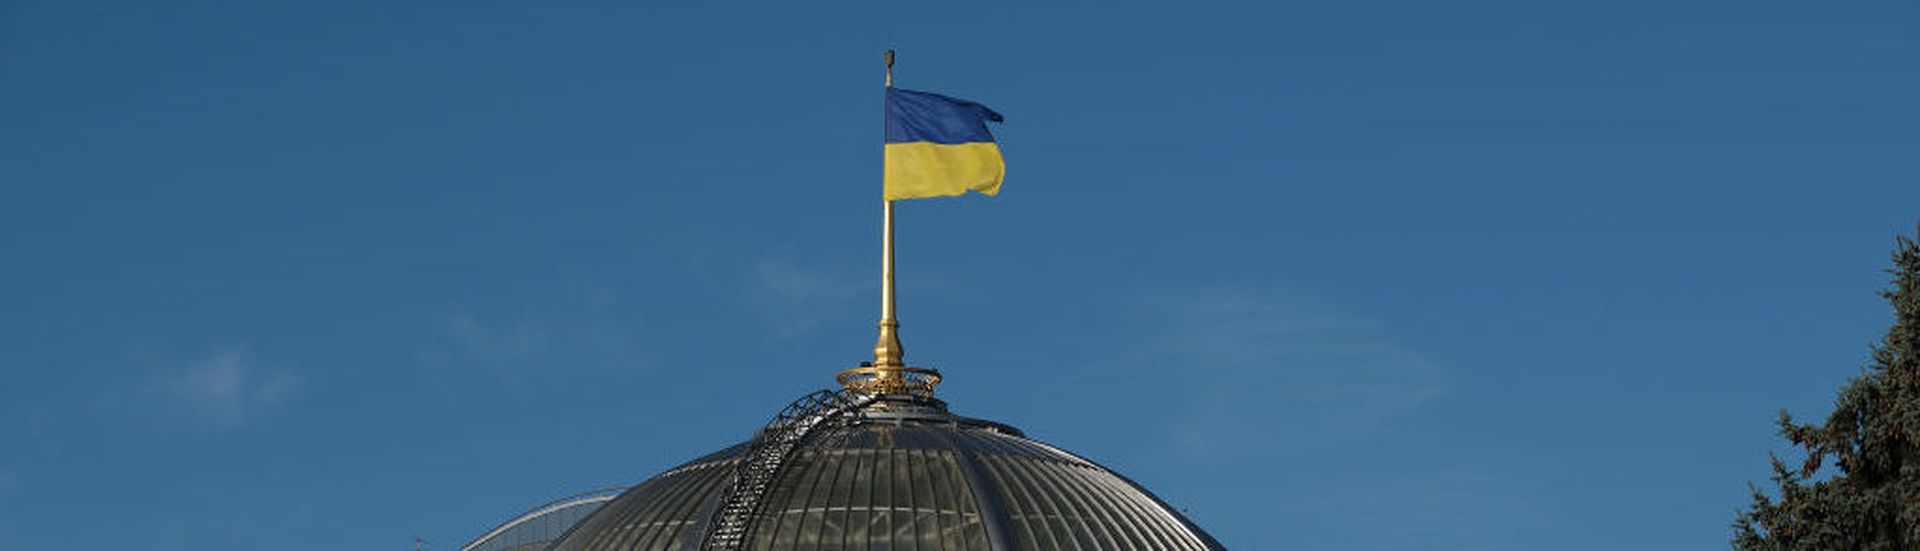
x,y
539,526
892,475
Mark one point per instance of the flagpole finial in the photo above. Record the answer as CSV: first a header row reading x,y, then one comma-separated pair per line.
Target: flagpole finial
x,y
889,60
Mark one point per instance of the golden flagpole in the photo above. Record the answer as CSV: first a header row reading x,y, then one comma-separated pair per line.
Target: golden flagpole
x,y
888,356
888,374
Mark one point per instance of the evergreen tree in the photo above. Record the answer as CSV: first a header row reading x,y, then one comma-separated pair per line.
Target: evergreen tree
x,y
1872,438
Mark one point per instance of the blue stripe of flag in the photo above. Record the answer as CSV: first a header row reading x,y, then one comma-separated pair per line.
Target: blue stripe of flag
x,y
914,116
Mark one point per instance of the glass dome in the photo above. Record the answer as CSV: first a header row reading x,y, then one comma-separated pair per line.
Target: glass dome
x,y
897,475
537,527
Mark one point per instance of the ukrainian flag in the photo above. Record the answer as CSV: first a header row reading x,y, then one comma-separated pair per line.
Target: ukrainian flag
x,y
939,146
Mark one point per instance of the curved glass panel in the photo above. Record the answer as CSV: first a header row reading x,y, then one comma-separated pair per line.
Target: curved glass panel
x,y
950,484
540,526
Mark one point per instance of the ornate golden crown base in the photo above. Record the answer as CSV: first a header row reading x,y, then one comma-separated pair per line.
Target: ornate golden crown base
x,y
882,380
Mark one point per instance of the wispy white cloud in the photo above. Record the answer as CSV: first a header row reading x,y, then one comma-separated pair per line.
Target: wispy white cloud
x,y
797,294
497,345
1272,389
1445,509
590,329
226,385
1278,364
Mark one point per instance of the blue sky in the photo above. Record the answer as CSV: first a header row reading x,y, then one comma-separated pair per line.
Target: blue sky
x,y
1325,275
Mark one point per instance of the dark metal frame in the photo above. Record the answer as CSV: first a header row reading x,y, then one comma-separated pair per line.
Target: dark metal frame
x,y
821,413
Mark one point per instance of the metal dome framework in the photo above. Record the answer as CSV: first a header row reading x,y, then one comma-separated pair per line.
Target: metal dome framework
x,y
541,525
846,470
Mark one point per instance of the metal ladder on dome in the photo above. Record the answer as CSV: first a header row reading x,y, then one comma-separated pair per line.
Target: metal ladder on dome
x,y
768,452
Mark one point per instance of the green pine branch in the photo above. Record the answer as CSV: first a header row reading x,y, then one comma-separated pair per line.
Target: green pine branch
x,y
1870,445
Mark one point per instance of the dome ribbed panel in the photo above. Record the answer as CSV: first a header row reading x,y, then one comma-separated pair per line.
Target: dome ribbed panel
x,y
656,515
903,486
539,527
884,498
1067,506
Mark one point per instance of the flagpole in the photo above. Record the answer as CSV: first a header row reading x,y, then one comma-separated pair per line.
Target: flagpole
x,y
888,355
